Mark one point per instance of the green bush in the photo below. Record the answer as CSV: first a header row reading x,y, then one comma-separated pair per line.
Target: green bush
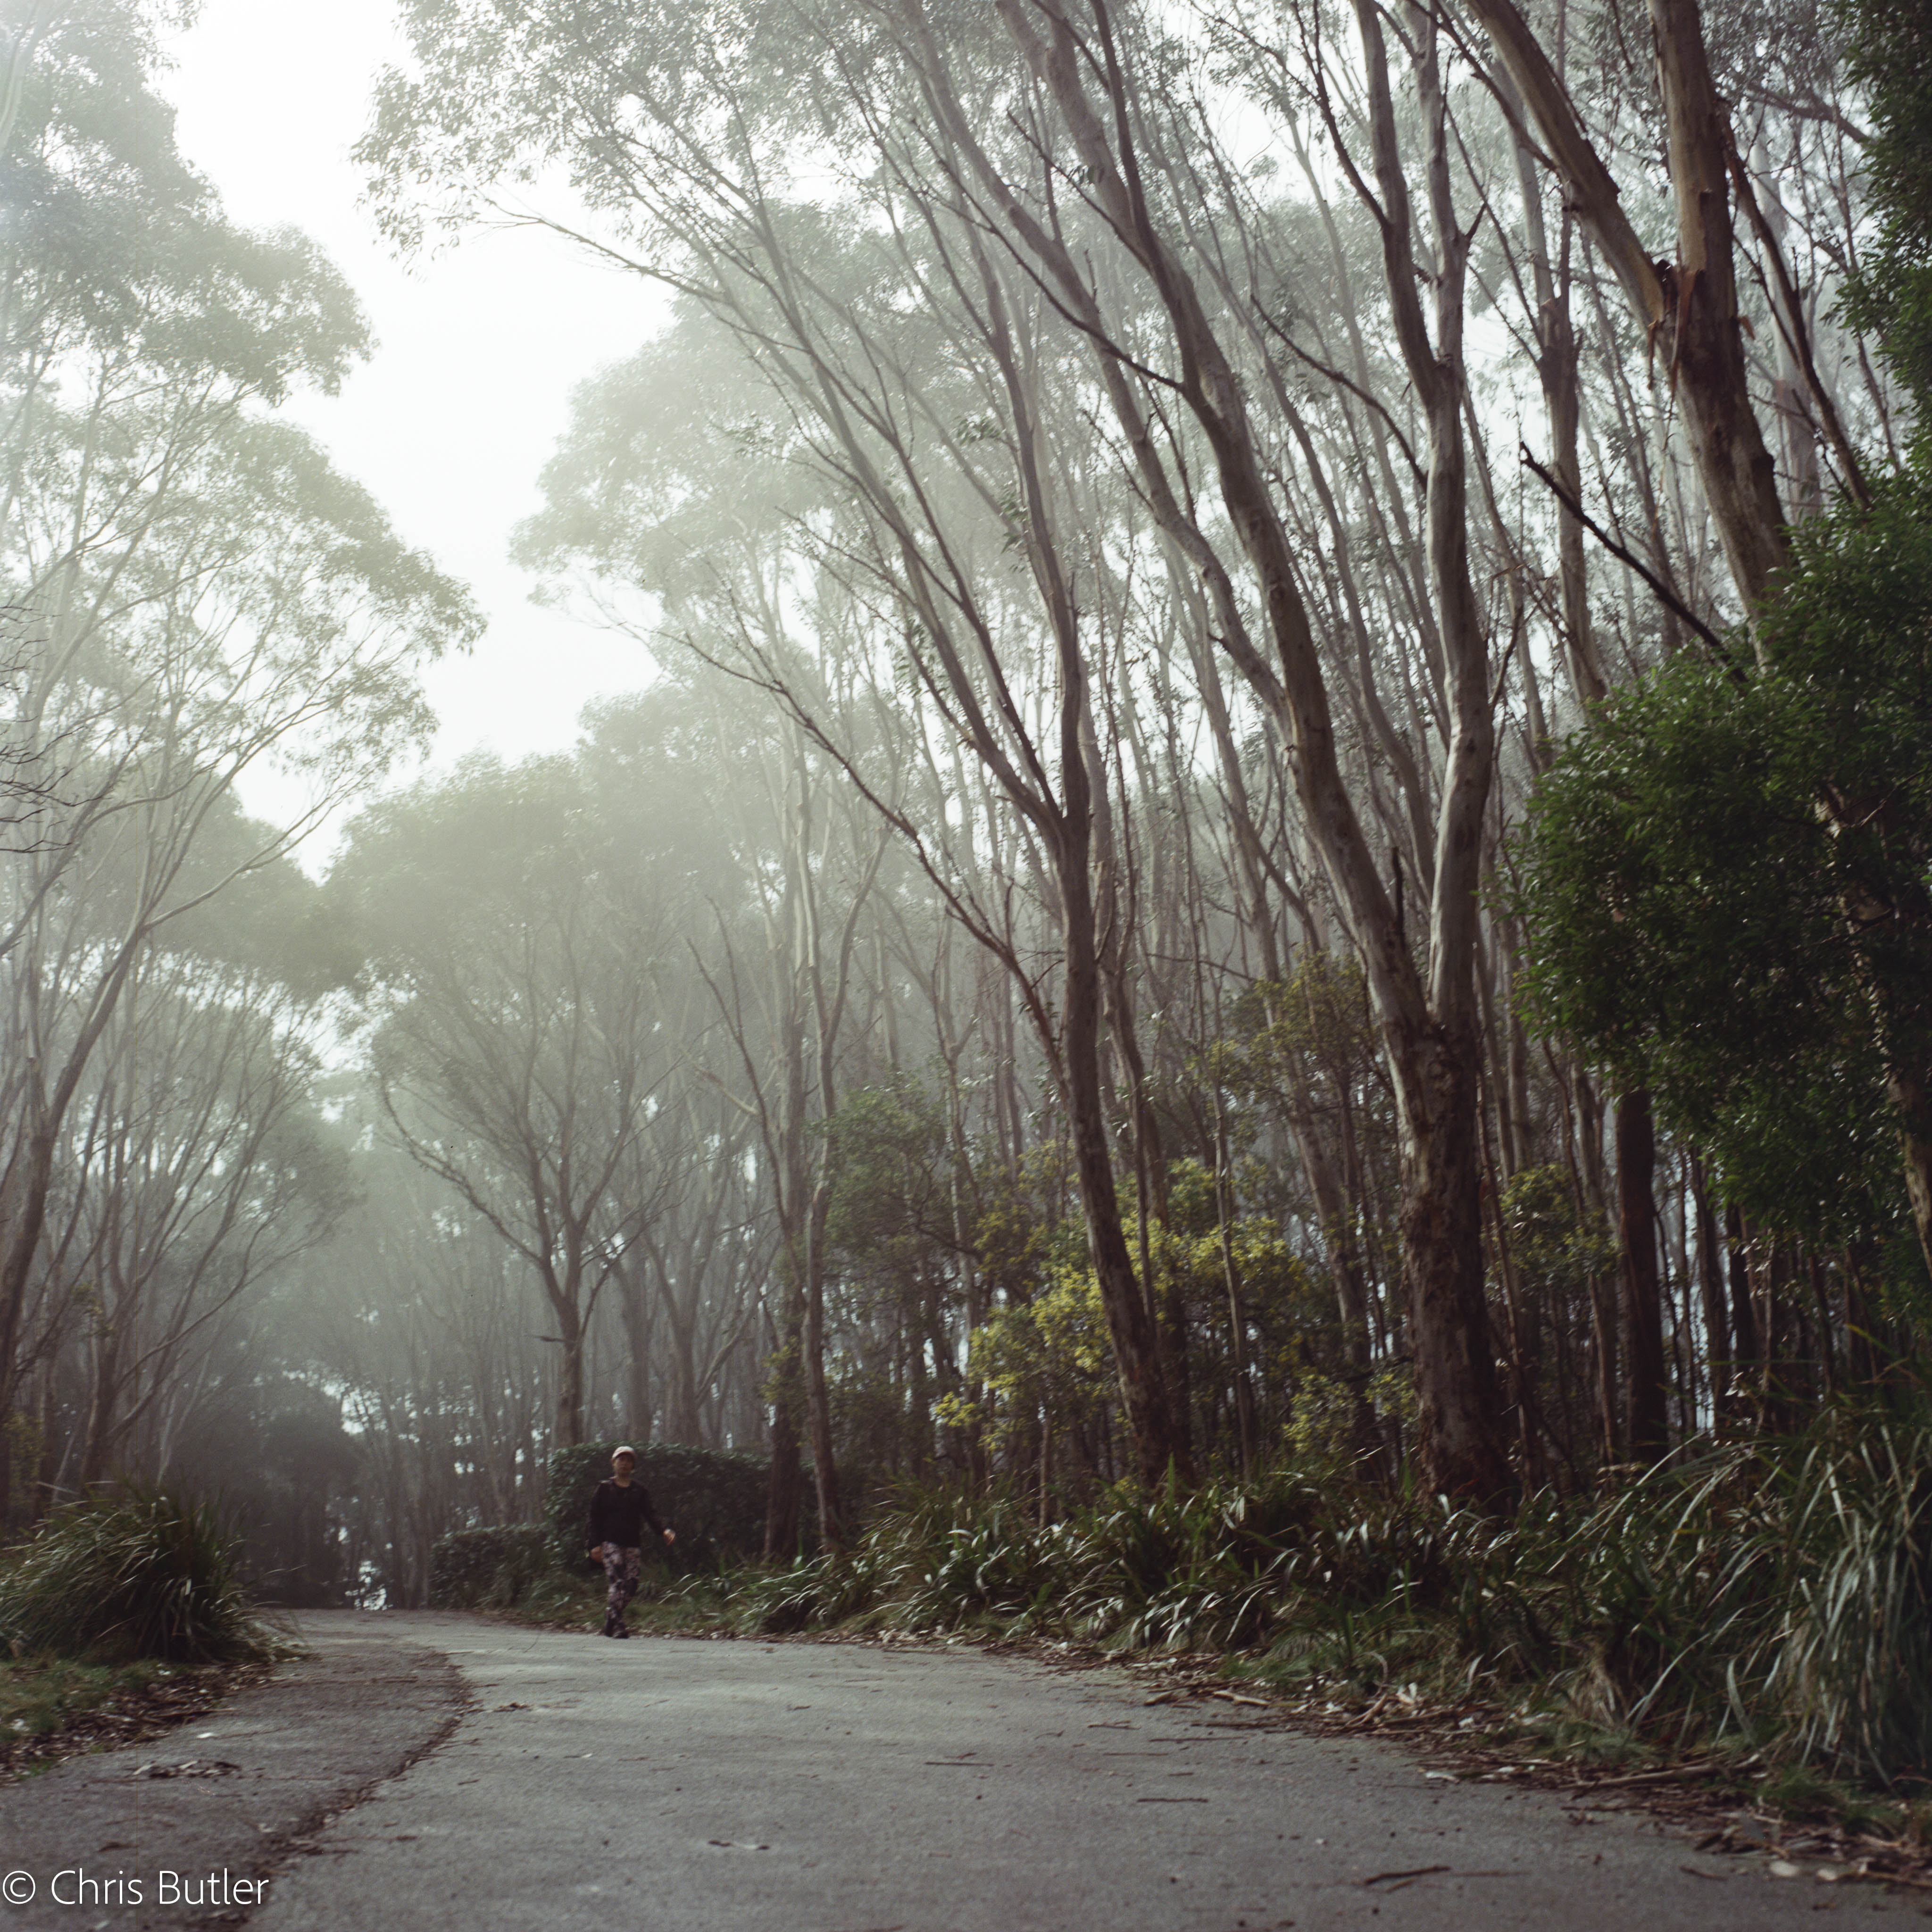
x,y
493,1568
141,1573
715,1502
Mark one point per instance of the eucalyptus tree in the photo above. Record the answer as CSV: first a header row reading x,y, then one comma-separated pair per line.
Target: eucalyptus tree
x,y
516,1031
909,363
418,1313
139,328
1099,104
267,615
802,619
199,1172
193,1169
1789,799
810,854
1102,478
193,592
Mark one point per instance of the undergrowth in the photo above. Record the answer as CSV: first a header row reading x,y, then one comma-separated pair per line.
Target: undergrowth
x,y
141,1573
39,1695
1772,1601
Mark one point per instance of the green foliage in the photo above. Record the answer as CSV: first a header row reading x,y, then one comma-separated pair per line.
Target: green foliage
x,y
1684,880
1889,53
889,1217
1053,1348
1556,1248
1725,876
114,244
491,1569
143,1574
1049,1347
1318,1015
1306,1049
715,1501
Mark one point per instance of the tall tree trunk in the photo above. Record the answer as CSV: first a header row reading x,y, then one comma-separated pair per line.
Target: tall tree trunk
x,y
1428,1023
1648,1435
104,1400
1866,1356
1688,308
1458,1409
570,1371
1332,1210
817,1397
1744,1330
1718,1351
24,1195
1144,1395
785,1488
634,1311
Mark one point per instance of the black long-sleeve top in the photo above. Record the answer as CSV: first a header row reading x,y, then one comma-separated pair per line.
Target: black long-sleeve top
x,y
619,1512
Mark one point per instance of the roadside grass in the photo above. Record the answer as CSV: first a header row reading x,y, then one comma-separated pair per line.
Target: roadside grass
x,y
142,1573
121,1616
52,1707
40,1695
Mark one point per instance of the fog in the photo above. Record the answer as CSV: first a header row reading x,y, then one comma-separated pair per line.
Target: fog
x,y
849,736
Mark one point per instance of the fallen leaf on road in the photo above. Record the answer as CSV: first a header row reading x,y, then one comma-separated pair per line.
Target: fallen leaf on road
x,y
1414,1871
193,1767
1783,1868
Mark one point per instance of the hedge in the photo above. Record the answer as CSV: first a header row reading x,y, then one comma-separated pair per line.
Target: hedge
x,y
715,1501
471,1567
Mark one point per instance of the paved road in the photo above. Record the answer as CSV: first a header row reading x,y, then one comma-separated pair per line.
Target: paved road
x,y
439,1771
692,1786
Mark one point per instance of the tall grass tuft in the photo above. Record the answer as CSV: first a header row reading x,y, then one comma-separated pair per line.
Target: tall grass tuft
x,y
141,1573
1851,1657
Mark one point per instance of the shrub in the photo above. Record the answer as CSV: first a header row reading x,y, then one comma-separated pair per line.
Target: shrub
x,y
473,1568
715,1502
141,1573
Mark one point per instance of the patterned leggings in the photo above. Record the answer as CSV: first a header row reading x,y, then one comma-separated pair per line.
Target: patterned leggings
x,y
621,1567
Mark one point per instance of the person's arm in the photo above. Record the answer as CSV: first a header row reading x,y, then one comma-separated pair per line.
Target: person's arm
x,y
650,1515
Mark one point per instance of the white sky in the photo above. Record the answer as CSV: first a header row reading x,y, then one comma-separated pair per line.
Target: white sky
x,y
477,353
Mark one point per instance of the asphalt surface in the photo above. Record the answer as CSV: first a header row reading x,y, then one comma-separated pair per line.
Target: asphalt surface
x,y
694,1786
167,1832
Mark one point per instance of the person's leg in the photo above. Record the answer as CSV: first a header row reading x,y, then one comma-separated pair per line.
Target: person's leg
x,y
616,1596
623,1588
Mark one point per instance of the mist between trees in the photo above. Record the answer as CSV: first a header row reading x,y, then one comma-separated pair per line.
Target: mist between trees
x,y
1058,980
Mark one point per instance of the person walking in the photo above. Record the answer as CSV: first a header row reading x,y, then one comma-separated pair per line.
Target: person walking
x,y
618,1513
